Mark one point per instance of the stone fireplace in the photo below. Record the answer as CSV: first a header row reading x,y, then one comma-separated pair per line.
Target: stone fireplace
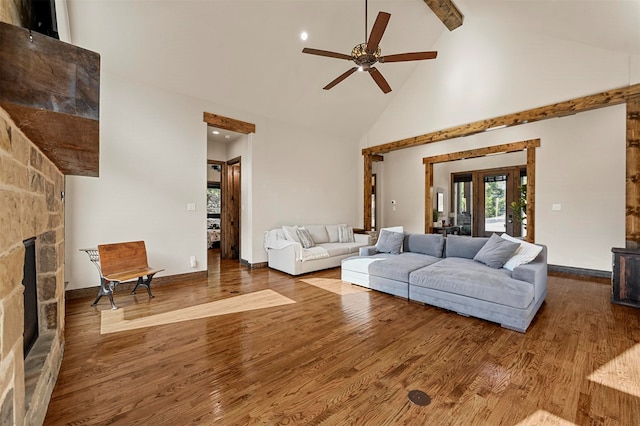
x,y
31,205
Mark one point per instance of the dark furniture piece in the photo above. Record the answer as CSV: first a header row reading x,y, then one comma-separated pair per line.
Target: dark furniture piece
x,y
444,230
626,277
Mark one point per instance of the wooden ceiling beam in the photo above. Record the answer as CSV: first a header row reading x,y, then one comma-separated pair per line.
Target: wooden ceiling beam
x,y
230,124
447,12
561,109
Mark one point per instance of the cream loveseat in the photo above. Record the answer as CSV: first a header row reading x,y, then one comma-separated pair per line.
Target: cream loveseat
x,y
300,249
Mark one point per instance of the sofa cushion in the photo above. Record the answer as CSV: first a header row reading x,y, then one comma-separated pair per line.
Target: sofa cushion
x,y
465,247
305,237
318,233
431,244
398,267
526,253
332,231
390,242
336,249
496,252
345,234
475,280
291,233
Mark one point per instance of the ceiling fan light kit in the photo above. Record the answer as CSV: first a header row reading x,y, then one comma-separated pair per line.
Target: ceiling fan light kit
x,y
366,55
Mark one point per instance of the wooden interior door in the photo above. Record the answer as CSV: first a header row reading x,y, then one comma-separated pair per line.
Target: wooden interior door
x,y
230,241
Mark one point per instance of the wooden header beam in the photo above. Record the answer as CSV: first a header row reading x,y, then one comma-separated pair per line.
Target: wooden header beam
x,y
587,103
481,152
227,123
447,12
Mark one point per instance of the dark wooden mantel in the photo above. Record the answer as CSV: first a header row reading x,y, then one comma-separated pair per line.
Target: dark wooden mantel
x,y
51,90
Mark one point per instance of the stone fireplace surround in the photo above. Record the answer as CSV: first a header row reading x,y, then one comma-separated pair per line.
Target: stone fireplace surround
x,y
30,205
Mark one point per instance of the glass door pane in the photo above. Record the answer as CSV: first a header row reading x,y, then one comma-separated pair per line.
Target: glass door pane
x,y
495,203
463,205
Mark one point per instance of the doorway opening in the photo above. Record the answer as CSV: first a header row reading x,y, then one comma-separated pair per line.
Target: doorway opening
x,y
528,208
490,201
227,140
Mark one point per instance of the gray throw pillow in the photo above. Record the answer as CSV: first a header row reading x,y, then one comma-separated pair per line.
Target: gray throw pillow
x,y
390,242
464,247
495,252
430,244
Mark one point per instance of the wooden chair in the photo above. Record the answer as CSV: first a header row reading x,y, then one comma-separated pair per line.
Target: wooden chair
x,y
121,262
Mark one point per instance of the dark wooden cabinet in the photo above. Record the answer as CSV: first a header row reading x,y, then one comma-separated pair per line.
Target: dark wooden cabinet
x,y
626,277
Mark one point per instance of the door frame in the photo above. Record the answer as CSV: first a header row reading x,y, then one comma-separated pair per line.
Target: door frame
x,y
528,145
239,126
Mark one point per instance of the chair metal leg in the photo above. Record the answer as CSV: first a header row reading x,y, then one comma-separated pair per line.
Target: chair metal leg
x,y
144,283
106,290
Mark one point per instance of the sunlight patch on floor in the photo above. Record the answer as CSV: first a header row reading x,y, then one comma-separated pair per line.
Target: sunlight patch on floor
x,y
542,417
335,286
113,321
621,373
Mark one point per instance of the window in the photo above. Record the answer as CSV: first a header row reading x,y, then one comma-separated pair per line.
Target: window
x,y
213,199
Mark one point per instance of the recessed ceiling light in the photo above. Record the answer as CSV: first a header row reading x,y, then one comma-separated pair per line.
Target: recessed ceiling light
x,y
227,136
215,132
304,36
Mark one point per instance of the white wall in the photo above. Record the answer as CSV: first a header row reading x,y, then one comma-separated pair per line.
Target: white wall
x,y
487,71
153,153
302,178
580,165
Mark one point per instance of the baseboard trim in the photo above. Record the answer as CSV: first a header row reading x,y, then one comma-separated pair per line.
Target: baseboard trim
x,y
580,273
258,265
81,293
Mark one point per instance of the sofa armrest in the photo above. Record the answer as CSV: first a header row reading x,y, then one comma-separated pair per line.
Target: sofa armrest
x,y
362,238
535,273
368,251
291,251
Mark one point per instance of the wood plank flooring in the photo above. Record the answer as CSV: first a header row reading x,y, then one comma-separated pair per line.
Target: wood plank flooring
x,y
347,358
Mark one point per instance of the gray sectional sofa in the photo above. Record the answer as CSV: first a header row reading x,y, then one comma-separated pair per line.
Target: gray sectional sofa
x,y
442,272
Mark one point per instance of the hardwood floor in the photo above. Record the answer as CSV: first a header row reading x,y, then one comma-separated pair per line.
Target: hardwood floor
x,y
341,357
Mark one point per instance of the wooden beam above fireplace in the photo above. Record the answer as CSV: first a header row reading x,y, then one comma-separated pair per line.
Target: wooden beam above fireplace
x,y
51,90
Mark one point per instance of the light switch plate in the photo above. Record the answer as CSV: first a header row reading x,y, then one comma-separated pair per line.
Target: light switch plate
x,y
556,207
191,206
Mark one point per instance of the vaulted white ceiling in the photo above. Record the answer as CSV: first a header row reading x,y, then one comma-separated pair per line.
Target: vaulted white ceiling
x,y
247,54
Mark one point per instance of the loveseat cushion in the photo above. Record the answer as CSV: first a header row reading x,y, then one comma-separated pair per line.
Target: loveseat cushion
x,y
332,232
398,267
318,233
464,247
466,277
431,244
335,249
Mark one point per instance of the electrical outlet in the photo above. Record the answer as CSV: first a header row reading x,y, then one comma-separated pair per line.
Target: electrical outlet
x,y
191,206
556,207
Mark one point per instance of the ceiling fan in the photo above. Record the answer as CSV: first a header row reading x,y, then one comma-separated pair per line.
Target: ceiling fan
x,y
367,54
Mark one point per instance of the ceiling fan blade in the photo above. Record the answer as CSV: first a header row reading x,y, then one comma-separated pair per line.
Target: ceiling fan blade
x,y
413,56
379,79
339,79
377,31
326,53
